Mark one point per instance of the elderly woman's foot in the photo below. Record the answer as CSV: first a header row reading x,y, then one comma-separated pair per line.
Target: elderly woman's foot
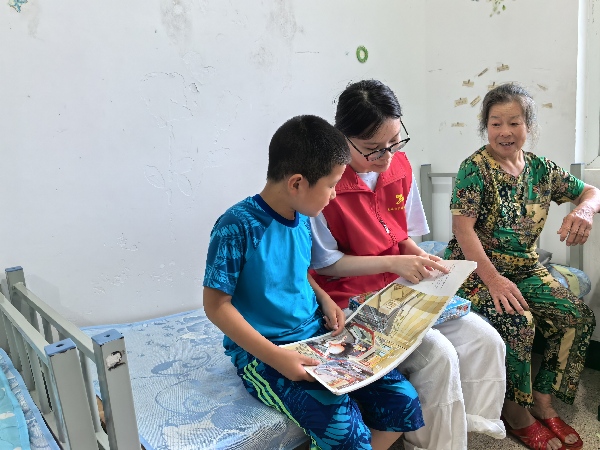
x,y
521,424
544,411
536,436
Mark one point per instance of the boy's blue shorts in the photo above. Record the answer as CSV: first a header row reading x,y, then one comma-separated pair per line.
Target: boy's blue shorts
x,y
335,421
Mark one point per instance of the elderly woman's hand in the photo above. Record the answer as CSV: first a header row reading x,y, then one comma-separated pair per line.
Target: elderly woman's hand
x,y
506,296
577,226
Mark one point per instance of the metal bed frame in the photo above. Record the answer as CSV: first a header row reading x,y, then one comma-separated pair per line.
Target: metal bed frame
x,y
55,361
427,176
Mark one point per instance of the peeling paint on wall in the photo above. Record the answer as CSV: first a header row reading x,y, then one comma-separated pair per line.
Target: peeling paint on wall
x,y
198,69
105,281
176,176
165,97
497,7
16,4
122,243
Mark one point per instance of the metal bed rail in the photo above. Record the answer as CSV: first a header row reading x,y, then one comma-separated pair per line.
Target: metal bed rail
x,y
106,352
427,177
51,375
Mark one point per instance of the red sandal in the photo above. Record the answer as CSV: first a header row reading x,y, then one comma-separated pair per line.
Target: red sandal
x,y
535,436
562,430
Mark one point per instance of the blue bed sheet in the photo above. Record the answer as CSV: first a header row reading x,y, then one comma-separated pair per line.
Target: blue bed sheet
x,y
13,428
187,394
36,431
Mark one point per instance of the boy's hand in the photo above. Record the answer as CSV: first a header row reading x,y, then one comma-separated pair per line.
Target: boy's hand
x,y
335,319
291,364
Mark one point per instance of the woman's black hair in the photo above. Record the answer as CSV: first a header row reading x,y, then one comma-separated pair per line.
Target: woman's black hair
x,y
364,106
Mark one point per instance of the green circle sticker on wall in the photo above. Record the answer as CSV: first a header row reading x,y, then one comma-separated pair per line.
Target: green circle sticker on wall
x,y
362,54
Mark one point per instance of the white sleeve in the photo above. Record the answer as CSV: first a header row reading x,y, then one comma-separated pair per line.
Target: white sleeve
x,y
415,214
324,250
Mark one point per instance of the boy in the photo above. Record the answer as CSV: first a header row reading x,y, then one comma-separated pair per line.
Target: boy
x,y
258,292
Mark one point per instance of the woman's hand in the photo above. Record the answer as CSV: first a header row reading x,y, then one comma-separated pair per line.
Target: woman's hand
x,y
577,225
415,268
506,295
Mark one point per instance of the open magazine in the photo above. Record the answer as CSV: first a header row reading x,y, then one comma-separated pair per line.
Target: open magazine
x,y
383,331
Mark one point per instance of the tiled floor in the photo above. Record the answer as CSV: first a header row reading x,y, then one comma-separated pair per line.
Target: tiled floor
x,y
583,416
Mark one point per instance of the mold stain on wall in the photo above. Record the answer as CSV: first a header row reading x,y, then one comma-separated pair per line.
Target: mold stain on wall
x,y
177,19
281,24
497,6
283,21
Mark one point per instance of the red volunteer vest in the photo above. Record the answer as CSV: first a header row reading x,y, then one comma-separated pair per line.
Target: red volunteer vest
x,y
367,223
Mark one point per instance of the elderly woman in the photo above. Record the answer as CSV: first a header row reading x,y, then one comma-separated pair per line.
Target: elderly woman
x,y
499,205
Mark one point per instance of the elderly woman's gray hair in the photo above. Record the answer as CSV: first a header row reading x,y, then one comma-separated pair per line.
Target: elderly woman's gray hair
x,y
507,93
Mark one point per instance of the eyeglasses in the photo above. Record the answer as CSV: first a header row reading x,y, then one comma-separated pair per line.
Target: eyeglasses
x,y
373,156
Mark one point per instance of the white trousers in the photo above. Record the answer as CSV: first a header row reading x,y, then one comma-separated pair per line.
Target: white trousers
x,y
460,376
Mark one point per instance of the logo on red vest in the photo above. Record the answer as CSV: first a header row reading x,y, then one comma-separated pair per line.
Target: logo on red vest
x,y
399,201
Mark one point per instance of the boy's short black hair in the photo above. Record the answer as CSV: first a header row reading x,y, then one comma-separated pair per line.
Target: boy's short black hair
x,y
307,145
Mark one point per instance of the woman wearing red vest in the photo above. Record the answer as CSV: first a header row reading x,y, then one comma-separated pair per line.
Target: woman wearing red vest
x,y
361,243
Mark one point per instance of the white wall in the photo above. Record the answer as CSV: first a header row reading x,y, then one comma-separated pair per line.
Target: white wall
x,y
588,92
588,132
127,128
524,37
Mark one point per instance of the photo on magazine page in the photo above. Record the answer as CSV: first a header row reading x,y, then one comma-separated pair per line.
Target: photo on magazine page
x,y
383,330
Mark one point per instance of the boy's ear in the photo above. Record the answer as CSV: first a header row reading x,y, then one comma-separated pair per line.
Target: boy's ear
x,y
294,182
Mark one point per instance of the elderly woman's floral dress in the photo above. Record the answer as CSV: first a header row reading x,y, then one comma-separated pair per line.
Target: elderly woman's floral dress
x,y
511,213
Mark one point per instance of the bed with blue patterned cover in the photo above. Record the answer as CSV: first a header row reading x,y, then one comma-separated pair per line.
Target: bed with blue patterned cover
x,y
21,424
46,378
187,393
179,381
